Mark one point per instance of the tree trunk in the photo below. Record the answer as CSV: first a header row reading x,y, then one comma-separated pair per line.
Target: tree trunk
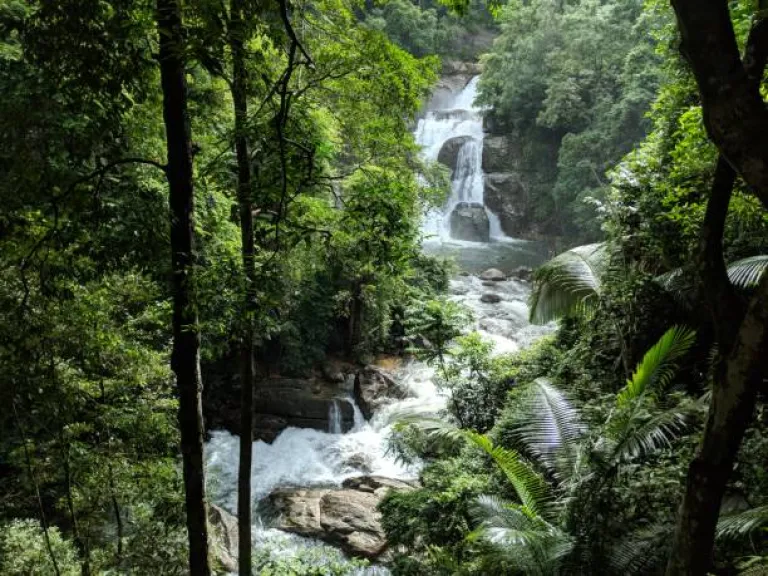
x,y
185,358
247,377
733,400
737,122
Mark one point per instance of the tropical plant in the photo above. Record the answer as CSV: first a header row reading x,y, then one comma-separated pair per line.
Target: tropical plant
x,y
559,468
569,282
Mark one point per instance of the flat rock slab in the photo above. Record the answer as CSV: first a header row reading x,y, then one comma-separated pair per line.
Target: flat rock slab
x,y
346,517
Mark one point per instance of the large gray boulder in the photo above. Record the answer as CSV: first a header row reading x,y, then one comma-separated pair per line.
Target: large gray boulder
x,y
449,153
375,388
470,222
303,403
506,196
346,517
280,402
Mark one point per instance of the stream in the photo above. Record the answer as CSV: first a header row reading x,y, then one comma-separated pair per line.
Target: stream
x,y
307,458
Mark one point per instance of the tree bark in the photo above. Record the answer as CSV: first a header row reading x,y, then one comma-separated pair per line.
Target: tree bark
x,y
739,377
247,375
736,120
185,357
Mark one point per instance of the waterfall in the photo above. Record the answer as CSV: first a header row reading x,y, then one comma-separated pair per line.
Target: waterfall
x,y
459,118
334,418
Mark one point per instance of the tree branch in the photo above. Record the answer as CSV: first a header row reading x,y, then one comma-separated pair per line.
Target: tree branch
x,y
734,112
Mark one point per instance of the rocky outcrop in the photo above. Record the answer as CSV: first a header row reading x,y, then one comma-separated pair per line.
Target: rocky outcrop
x,y
461,68
224,536
505,196
346,517
375,388
470,222
449,153
279,402
501,154
302,403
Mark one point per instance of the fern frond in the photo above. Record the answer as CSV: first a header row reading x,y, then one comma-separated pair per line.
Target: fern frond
x,y
526,540
656,433
568,282
658,365
746,273
641,552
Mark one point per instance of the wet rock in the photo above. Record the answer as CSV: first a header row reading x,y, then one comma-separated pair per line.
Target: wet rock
x,y
501,154
449,153
494,275
462,68
361,462
505,196
490,298
489,283
280,402
375,388
470,222
378,485
523,273
225,537
346,517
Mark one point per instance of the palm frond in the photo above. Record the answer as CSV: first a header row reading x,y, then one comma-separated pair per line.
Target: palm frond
x,y
549,426
441,433
738,524
746,273
656,433
658,365
527,541
570,281
532,490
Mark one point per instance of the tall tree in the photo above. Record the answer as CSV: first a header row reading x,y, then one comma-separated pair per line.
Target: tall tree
x,y
185,358
737,122
239,87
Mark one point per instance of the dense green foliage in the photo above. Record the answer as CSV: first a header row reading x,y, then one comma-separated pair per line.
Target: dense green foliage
x,y
89,442
571,82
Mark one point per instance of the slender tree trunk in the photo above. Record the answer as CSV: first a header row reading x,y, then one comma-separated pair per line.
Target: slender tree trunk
x,y
240,99
185,358
81,543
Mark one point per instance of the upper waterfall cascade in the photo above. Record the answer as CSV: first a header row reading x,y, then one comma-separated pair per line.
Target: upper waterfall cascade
x,y
459,118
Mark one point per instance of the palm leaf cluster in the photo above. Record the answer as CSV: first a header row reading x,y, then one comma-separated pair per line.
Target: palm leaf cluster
x,y
552,456
568,282
573,281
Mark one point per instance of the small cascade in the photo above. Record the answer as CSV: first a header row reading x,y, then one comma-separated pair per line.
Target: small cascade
x,y
460,118
334,418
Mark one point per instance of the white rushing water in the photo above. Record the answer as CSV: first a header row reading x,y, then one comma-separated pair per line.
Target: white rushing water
x,y
458,118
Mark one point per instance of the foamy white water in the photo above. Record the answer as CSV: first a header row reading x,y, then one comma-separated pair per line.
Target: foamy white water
x,y
459,118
